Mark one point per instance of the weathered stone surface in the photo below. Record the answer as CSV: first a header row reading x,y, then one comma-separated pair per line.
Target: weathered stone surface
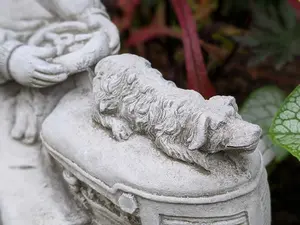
x,y
29,194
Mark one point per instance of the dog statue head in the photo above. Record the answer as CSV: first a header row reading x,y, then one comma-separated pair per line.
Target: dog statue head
x,y
220,128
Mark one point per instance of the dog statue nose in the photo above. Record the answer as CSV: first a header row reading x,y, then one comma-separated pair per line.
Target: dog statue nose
x,y
256,130
245,136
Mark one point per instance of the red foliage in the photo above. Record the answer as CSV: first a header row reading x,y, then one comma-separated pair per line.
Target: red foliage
x,y
147,33
196,69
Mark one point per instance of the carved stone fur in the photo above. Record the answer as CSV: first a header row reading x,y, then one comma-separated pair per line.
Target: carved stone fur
x,y
131,97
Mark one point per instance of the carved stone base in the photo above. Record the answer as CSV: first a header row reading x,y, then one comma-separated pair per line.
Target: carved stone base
x,y
131,182
238,207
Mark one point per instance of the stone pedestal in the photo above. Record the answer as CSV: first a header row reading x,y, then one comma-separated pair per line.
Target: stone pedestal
x,y
131,182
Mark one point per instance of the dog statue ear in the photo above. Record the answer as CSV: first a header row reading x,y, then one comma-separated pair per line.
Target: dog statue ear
x,y
230,101
199,136
224,100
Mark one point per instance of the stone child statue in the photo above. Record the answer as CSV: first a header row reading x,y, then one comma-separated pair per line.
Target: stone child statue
x,y
131,97
42,43
33,67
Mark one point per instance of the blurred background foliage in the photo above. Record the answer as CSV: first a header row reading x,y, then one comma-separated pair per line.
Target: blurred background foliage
x,y
246,44
245,48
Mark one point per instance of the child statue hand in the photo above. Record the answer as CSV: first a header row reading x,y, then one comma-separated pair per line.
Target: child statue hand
x,y
28,66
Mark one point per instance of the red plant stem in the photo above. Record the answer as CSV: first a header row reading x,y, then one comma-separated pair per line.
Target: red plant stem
x,y
128,7
196,69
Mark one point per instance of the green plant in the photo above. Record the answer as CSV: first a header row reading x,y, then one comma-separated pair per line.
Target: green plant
x,y
260,108
275,35
285,129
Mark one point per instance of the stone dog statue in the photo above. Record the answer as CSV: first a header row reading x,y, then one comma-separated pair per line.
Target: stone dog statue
x,y
131,97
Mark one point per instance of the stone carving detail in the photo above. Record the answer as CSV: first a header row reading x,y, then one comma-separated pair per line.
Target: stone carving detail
x,y
239,219
128,203
84,194
131,97
75,188
27,121
73,41
119,216
64,36
265,202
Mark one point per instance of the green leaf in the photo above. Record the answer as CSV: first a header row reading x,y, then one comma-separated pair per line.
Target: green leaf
x,y
273,14
262,20
254,61
295,46
283,59
246,40
260,108
274,32
285,129
288,14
